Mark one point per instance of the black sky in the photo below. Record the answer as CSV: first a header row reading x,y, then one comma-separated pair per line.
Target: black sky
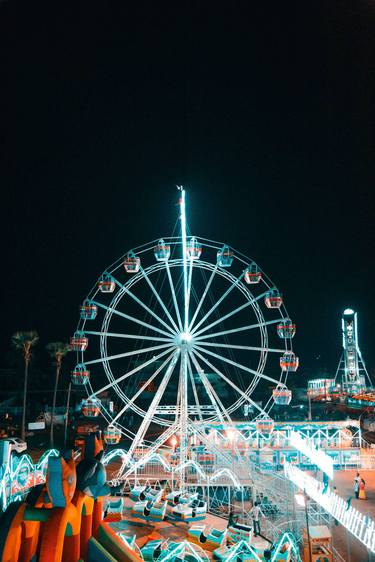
x,y
266,116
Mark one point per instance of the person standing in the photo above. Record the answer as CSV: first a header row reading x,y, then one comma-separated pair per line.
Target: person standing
x,y
256,513
231,518
357,481
362,491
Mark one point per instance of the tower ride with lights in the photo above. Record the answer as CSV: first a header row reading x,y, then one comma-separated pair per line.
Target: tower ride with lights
x,y
209,332
351,366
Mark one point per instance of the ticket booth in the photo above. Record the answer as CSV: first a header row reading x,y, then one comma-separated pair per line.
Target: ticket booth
x,y
321,544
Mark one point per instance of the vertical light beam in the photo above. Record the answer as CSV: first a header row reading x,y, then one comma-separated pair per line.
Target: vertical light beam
x,y
184,257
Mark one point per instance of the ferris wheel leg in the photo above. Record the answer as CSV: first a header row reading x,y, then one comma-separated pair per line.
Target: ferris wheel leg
x,y
154,404
183,412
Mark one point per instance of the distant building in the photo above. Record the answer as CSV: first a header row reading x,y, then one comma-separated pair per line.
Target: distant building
x,y
320,389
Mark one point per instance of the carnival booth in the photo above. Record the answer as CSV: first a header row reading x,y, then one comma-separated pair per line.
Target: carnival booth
x,y
321,544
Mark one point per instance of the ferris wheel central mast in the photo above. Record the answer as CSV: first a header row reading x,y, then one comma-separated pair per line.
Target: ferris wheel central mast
x,y
185,338
184,257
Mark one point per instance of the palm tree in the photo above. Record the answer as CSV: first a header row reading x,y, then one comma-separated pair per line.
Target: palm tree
x,y
25,341
57,350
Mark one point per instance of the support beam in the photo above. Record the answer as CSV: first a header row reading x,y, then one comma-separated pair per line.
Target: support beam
x,y
235,330
232,313
129,353
132,319
215,400
154,404
231,383
142,388
203,296
132,372
174,296
245,347
217,303
159,299
239,365
127,336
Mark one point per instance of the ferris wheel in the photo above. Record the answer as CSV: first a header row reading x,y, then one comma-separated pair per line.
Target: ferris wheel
x,y
181,331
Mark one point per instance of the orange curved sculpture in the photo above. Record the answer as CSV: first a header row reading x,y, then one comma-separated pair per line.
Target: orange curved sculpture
x,y
85,507
61,518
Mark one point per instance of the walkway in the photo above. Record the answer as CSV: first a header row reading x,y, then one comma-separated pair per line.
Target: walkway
x,y
348,546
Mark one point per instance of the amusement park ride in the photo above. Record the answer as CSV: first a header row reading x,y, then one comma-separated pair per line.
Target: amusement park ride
x,y
183,333
351,388
182,306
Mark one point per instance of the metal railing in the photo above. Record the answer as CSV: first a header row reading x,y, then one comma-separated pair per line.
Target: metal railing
x,y
337,556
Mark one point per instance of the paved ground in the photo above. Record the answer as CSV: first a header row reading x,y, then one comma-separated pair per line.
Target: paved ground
x,y
348,546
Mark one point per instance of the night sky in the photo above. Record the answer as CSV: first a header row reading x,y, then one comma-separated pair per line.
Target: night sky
x,y
265,116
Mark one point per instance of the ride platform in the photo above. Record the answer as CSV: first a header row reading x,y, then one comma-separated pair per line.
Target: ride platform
x,y
169,530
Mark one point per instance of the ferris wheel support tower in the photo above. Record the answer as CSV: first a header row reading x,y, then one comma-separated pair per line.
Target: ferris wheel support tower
x,y
185,339
351,365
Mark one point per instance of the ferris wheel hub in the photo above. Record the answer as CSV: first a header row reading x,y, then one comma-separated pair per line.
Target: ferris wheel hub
x,y
184,337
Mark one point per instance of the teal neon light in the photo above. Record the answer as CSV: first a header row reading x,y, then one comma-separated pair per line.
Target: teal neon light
x,y
360,525
19,474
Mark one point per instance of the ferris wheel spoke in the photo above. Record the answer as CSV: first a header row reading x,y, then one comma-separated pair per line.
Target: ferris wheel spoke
x,y
232,313
215,400
235,330
137,300
154,404
214,307
202,298
132,372
142,388
132,319
235,364
174,296
127,336
160,301
129,353
228,381
154,446
245,347
191,376
189,290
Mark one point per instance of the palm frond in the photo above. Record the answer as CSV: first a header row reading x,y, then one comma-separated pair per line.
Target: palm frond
x,y
58,348
28,339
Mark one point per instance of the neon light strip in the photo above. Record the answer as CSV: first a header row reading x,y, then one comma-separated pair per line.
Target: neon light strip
x,y
361,526
243,549
10,472
307,448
